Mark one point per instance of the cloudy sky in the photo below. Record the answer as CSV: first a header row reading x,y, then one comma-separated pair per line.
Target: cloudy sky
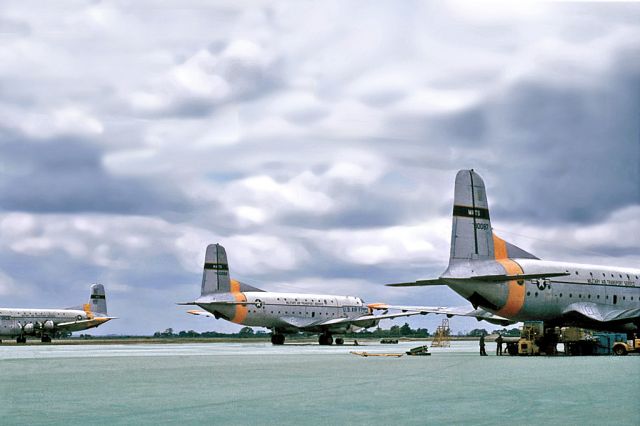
x,y
317,141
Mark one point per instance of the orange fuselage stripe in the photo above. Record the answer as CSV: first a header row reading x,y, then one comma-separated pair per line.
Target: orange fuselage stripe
x,y
515,295
241,310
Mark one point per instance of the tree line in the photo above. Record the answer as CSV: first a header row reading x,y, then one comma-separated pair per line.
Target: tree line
x,y
395,331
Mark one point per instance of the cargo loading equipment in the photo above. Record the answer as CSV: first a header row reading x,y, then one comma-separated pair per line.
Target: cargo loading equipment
x,y
576,341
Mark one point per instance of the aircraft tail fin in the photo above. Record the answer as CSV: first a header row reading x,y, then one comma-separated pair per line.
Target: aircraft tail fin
x,y
215,276
98,300
472,237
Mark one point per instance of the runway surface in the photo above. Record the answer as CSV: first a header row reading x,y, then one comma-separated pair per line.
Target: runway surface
x,y
256,383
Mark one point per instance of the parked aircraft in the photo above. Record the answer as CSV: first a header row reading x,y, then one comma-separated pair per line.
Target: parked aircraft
x,y
283,313
506,284
45,323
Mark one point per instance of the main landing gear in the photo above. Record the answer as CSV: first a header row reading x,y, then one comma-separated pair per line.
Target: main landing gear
x,y
21,339
45,339
277,339
325,339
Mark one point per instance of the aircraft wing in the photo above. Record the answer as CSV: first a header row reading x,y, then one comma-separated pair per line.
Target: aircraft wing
x,y
465,311
486,278
364,320
597,313
82,324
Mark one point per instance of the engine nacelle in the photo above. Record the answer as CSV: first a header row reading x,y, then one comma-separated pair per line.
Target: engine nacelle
x,y
48,325
29,328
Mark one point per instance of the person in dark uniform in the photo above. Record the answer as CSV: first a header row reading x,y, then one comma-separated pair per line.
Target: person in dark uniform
x,y
482,351
499,344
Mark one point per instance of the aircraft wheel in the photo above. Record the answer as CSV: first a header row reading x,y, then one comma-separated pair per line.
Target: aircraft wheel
x,y
45,339
339,341
21,339
277,339
619,350
325,339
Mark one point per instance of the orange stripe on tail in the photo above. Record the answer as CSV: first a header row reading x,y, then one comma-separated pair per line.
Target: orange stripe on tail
x,y
499,248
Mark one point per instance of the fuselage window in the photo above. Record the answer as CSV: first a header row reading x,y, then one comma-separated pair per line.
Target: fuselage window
x,y
313,314
560,294
536,294
528,293
570,295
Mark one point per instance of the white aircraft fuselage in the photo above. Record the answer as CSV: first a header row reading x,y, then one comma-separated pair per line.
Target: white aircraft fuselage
x,y
547,299
280,310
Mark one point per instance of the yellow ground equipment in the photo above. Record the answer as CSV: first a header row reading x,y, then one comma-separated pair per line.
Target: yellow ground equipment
x,y
529,338
442,339
623,348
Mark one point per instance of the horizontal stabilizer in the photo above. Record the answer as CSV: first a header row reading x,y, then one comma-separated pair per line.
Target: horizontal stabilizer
x,y
436,281
203,313
82,324
219,303
486,278
517,277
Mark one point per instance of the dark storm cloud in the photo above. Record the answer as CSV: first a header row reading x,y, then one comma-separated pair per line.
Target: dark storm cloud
x,y
574,155
65,175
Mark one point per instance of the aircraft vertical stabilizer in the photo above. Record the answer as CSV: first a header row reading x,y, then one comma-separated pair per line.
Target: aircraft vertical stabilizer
x,y
98,299
215,278
471,235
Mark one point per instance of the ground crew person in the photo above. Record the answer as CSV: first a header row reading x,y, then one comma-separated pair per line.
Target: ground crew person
x,y
499,344
482,351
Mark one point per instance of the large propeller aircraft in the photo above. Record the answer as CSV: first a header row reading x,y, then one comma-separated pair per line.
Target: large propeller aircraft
x,y
283,313
506,284
21,323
